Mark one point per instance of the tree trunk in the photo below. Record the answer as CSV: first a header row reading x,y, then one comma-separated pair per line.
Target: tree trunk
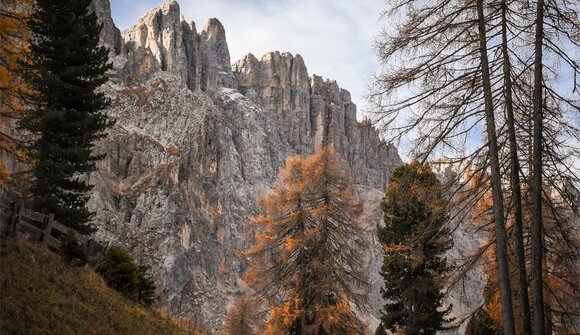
x,y
538,327
497,196
515,182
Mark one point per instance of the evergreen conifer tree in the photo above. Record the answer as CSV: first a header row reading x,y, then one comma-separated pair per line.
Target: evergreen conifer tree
x,y
63,69
481,324
414,239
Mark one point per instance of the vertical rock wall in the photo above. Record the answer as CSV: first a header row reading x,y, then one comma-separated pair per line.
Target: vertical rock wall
x,y
197,141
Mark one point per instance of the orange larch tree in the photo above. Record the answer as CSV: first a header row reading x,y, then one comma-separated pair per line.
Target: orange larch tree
x,y
244,318
13,31
308,254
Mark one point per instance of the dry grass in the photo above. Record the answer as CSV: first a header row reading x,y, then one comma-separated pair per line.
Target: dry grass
x,y
39,294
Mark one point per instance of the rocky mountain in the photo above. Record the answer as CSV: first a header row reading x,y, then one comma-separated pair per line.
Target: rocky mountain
x,y
197,139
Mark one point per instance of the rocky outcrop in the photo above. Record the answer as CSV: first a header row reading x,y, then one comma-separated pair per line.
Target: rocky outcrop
x,y
110,34
280,83
178,185
313,112
197,141
158,42
216,69
163,41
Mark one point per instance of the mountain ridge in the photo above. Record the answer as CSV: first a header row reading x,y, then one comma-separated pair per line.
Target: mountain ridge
x,y
198,139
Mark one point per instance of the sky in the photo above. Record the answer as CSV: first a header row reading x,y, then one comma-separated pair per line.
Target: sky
x,y
335,38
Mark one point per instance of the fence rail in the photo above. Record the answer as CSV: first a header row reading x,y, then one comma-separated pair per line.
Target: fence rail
x,y
17,220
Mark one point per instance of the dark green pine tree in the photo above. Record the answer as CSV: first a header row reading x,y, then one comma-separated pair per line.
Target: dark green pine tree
x,y
380,330
481,324
414,238
63,69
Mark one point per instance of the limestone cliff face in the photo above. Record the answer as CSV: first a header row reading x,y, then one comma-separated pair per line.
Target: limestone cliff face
x,y
197,140
110,35
313,112
163,41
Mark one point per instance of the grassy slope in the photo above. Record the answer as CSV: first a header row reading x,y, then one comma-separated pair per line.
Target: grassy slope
x,y
39,294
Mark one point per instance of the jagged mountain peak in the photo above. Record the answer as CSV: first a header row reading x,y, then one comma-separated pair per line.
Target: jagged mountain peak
x,y
110,34
168,8
197,139
213,27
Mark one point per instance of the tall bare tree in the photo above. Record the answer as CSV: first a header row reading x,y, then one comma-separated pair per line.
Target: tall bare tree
x,y
555,139
516,189
496,185
244,318
538,327
434,90
445,45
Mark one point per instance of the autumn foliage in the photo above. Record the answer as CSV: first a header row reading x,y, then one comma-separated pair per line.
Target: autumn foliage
x,y
13,33
244,318
308,253
561,278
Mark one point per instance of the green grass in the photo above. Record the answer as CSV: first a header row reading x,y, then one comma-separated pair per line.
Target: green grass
x,y
39,294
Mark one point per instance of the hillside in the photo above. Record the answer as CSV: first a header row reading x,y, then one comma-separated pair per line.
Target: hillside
x,y
42,295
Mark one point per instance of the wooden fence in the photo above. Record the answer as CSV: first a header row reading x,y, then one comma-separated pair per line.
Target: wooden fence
x,y
17,220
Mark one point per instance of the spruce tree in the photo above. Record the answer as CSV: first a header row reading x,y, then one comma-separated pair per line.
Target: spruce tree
x,y
414,238
63,69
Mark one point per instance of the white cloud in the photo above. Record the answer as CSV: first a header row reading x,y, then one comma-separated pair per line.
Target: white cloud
x,y
335,38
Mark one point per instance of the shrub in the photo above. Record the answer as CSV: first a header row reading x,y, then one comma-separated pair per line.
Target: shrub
x,y
123,274
72,251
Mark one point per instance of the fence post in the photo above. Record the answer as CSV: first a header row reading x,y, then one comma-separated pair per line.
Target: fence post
x,y
47,229
14,225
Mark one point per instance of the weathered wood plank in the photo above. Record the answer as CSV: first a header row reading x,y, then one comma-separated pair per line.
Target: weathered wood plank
x,y
5,224
60,227
32,216
29,226
4,227
48,221
26,229
37,224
